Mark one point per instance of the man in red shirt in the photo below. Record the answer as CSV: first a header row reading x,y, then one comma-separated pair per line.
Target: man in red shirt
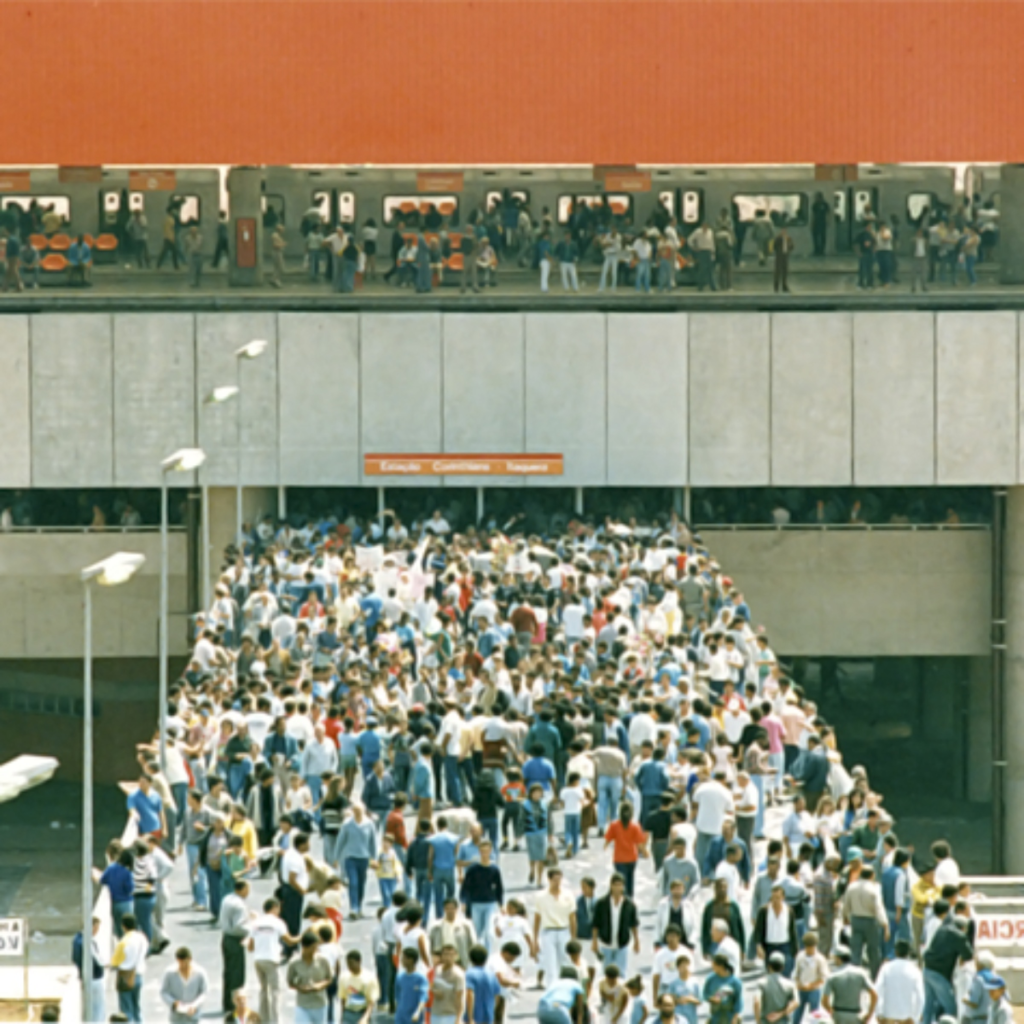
x,y
630,842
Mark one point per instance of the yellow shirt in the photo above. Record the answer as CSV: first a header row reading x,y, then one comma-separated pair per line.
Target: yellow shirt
x,y
250,844
923,894
169,228
555,911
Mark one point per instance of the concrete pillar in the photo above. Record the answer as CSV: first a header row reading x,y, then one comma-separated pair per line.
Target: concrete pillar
x,y
256,503
1012,716
979,730
245,188
1010,251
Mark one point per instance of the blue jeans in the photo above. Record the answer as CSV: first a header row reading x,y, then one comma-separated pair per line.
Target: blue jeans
x,y
196,875
572,833
609,794
144,914
619,957
130,1003
700,850
809,1001
490,827
896,931
348,276
628,872
314,1016
424,888
480,914
759,817
778,762
315,784
553,1013
238,772
969,262
444,888
665,270
118,910
643,276
939,997
452,782
387,889
355,870
216,886
314,264
180,793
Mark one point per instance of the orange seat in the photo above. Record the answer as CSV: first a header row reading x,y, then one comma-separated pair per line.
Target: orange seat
x,y
89,240
60,242
407,207
454,261
618,206
431,237
39,242
53,263
106,243
455,237
446,209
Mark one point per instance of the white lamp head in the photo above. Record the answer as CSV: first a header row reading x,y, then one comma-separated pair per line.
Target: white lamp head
x,y
184,460
118,568
252,350
220,395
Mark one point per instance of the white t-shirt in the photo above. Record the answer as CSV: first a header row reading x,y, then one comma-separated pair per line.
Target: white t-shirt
x,y
266,932
732,878
572,799
665,964
746,797
572,620
294,863
259,726
714,802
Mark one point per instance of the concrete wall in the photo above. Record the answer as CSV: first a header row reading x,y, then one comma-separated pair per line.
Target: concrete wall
x,y
864,592
41,595
660,399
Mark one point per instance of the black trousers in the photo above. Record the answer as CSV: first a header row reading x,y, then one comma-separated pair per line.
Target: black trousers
x,y
232,948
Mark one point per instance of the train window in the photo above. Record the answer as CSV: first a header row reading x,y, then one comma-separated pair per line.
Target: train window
x,y
620,203
693,206
917,203
322,201
493,198
189,211
788,208
865,202
839,210
347,207
418,208
137,201
111,205
275,203
668,201
61,204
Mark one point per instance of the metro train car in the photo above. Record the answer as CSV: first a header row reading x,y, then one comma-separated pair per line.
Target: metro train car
x,y
91,199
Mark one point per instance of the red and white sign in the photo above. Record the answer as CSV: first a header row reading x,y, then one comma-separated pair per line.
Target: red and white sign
x,y
627,181
153,181
439,181
1000,929
15,181
462,465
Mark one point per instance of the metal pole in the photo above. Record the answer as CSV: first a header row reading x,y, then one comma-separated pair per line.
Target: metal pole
x,y
238,452
206,548
87,815
578,501
479,505
381,506
997,682
163,621
687,506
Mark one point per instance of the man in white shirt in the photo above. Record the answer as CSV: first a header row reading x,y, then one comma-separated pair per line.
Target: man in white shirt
x,y
267,933
572,620
900,988
947,871
318,757
714,803
130,958
437,525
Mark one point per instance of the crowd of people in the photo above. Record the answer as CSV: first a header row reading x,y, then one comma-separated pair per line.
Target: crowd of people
x,y
582,778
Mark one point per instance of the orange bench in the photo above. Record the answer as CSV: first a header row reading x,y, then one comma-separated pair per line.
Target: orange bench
x,y
54,270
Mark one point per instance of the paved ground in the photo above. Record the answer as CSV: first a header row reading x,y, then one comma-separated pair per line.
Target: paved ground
x,y
811,281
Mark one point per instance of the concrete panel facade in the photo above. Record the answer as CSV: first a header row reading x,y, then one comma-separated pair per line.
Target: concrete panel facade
x,y
72,401
39,582
647,399
812,399
318,389
218,337
484,388
561,416
894,399
865,592
730,417
16,402
401,386
154,393
976,388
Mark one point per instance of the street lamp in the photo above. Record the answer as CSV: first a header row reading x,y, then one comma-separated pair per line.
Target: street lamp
x,y
247,352
185,460
111,572
218,396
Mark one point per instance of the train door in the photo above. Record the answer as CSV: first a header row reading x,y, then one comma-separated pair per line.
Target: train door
x,y
686,205
336,206
111,200
851,207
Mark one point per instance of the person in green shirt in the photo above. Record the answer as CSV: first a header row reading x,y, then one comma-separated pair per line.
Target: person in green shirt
x,y
233,864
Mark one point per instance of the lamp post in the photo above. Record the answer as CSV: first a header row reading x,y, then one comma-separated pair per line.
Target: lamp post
x,y
247,352
112,571
218,396
185,460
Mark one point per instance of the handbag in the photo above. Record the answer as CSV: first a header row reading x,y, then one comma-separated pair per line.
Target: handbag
x,y
126,981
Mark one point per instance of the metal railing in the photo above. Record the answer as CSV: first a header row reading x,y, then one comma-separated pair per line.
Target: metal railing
x,y
155,528
841,527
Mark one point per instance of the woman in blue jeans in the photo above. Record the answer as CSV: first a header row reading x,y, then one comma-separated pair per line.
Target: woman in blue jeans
x,y
357,846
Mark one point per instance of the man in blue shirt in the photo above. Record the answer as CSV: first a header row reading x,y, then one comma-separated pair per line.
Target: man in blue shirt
x,y
441,864
369,746
149,808
412,989
482,988
539,770
79,259
371,606
544,733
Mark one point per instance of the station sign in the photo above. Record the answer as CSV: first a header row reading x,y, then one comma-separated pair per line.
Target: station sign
x,y
15,181
439,181
153,181
627,181
462,465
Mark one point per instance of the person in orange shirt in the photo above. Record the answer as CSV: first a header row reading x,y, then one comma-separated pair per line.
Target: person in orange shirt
x,y
630,842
